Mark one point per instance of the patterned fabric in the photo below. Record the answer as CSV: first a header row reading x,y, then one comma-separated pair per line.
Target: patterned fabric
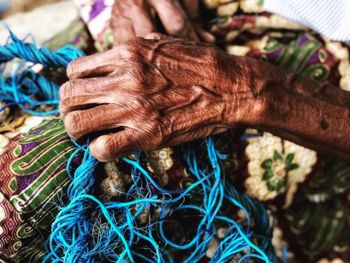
x,y
276,166
33,183
96,14
328,18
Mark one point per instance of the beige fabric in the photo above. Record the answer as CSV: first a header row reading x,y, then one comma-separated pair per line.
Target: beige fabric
x,y
43,22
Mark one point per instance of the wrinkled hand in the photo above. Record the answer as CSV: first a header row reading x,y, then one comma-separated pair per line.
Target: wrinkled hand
x,y
131,18
156,92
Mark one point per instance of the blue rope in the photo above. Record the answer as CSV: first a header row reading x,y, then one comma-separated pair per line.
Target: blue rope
x,y
31,53
73,230
21,90
90,230
25,88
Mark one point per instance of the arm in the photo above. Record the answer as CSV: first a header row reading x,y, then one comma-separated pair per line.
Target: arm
x,y
316,115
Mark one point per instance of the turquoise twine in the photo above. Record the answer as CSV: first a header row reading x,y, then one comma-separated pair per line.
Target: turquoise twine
x,y
31,53
27,89
90,230
22,89
73,230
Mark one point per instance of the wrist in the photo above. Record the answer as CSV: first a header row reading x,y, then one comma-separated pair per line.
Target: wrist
x,y
249,91
297,109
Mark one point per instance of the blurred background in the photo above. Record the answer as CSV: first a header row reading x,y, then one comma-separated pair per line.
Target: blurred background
x,y
8,7
43,19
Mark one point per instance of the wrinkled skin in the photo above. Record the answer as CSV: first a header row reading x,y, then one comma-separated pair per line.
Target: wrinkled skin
x,y
163,91
136,18
160,92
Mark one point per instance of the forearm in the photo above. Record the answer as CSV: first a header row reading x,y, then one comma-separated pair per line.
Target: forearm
x,y
304,111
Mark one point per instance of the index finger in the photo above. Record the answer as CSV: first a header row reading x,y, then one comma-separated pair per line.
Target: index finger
x,y
174,19
191,7
98,64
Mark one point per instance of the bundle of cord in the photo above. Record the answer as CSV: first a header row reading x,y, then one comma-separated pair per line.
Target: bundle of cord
x,y
15,48
181,223
24,87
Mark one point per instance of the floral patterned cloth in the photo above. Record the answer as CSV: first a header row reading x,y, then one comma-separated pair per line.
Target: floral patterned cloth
x,y
305,190
33,182
96,14
306,193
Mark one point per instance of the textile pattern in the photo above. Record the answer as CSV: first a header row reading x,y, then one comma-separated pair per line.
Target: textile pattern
x,y
32,187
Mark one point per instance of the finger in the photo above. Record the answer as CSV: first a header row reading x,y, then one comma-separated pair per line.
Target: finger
x,y
123,29
112,146
205,36
142,19
191,7
174,19
121,24
79,93
98,64
83,122
130,19
127,81
94,64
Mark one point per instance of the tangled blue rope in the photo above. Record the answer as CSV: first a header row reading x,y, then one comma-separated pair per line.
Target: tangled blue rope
x,y
31,53
29,90
25,88
88,229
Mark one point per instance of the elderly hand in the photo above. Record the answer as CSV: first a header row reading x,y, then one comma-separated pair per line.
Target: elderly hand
x,y
155,92
131,18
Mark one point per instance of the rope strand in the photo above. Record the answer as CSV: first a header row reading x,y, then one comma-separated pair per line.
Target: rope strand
x,y
25,88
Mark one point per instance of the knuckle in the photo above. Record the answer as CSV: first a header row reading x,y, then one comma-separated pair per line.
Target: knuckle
x,y
64,91
72,125
75,86
130,49
196,91
70,89
72,68
62,109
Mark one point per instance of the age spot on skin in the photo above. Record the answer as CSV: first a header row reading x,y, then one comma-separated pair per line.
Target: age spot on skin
x,y
324,125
